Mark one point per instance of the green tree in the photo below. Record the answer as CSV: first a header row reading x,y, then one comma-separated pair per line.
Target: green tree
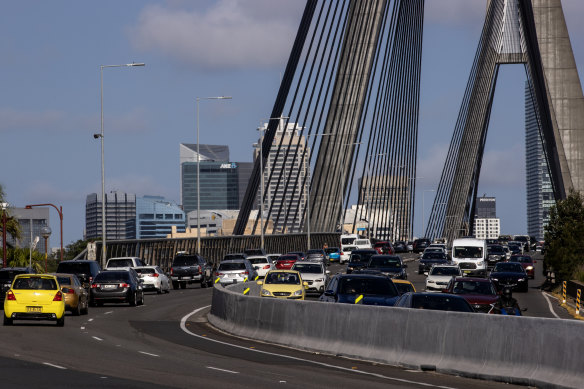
x,y
564,236
74,249
20,257
12,225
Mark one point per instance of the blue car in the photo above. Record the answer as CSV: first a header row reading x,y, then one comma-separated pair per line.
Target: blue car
x,y
333,253
366,289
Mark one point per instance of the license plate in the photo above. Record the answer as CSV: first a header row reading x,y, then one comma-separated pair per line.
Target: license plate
x,y
183,278
110,286
34,309
466,271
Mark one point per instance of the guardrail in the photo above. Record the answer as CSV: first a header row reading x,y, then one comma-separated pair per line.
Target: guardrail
x,y
522,350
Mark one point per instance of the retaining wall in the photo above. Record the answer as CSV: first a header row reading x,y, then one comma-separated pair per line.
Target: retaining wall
x,y
532,351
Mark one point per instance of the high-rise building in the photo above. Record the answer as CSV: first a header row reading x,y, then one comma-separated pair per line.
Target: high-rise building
x,y
486,223
281,200
155,217
540,195
31,222
119,209
486,207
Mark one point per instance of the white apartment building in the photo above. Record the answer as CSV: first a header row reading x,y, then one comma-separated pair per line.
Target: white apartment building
x,y
487,228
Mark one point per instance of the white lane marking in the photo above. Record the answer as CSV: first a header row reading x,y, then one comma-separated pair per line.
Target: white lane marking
x,y
186,330
550,305
145,353
90,320
223,370
56,366
96,338
108,312
82,328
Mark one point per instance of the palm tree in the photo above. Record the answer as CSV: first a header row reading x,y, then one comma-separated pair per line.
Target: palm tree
x,y
19,257
12,225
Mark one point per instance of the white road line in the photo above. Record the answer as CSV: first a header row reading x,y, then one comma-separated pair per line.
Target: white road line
x,y
90,320
82,328
145,353
185,329
96,338
108,312
550,305
226,371
56,366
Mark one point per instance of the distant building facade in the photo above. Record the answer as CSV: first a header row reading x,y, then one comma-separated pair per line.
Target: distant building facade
x,y
31,222
155,218
120,208
486,223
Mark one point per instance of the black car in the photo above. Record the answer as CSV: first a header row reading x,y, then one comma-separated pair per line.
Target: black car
x,y
116,286
367,289
255,252
495,254
434,301
7,275
189,269
510,274
359,259
232,256
421,244
400,247
389,265
430,259
515,249
85,270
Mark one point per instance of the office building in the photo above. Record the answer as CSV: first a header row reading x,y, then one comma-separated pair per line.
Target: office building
x,y
155,216
293,199
486,207
540,195
486,223
119,209
31,222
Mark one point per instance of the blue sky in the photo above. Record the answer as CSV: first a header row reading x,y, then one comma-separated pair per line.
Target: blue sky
x,y
50,95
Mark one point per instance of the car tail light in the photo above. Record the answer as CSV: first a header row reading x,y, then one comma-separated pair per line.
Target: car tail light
x,y
68,290
93,286
342,253
154,275
266,266
10,296
199,268
124,285
58,296
217,274
246,272
90,280
171,271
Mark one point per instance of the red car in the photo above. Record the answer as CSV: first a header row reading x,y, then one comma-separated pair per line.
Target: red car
x,y
285,262
384,248
479,292
527,262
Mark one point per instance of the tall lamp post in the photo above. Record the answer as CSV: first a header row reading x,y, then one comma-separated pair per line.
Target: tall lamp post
x,y
45,233
100,135
60,212
4,206
424,208
199,169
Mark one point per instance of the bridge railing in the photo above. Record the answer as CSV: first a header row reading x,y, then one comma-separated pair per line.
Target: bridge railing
x,y
161,251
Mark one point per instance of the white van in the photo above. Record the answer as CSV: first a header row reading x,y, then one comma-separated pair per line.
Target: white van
x,y
348,240
362,243
470,255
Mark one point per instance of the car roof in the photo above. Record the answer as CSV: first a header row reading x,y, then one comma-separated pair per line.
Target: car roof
x,y
398,281
258,256
145,267
240,260
284,271
308,263
363,275
479,279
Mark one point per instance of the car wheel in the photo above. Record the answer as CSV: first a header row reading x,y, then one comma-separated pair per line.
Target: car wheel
x,y
133,300
141,299
174,284
92,303
203,283
61,321
210,282
159,290
85,309
7,321
76,311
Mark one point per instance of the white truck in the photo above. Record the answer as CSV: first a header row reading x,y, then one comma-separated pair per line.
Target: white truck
x,y
470,255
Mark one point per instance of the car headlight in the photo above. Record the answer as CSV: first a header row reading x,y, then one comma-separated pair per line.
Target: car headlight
x,y
266,292
298,292
521,279
495,279
481,263
350,268
529,267
319,280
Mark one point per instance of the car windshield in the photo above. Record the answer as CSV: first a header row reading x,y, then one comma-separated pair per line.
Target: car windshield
x,y
314,251
282,278
258,260
444,271
184,260
373,286
35,283
288,258
145,271
362,256
474,287
385,262
440,302
345,241
522,259
433,255
331,250
308,268
115,276
125,262
232,266
508,267
468,252
404,287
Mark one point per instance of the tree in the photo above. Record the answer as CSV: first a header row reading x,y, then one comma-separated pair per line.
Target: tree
x,y
564,236
20,257
74,249
12,225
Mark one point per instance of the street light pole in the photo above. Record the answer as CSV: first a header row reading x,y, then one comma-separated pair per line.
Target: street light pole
x,y
100,135
46,232
60,212
199,169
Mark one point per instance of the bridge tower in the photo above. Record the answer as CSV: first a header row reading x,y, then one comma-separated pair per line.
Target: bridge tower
x,y
533,33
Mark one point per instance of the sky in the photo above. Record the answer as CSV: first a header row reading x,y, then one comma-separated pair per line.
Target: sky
x,y
50,57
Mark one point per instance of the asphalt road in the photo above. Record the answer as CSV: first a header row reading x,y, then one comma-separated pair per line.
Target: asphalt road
x,y
168,343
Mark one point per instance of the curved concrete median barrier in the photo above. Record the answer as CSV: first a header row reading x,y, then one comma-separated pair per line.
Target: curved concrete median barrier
x,y
532,351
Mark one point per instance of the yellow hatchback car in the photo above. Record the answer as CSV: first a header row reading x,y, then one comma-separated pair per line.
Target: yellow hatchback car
x,y
34,297
284,284
404,286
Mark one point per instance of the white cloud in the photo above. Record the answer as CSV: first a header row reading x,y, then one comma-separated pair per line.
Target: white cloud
x,y
229,34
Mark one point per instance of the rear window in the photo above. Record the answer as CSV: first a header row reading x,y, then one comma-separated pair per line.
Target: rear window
x,y
444,271
117,276
145,271
185,260
232,266
403,287
287,258
331,250
35,283
258,260
308,268
120,263
385,262
64,281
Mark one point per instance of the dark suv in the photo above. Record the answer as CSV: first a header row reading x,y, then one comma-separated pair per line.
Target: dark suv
x,y
85,270
7,275
189,269
421,244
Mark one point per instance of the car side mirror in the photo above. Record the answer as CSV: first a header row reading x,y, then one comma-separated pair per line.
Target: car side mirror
x,y
260,282
328,272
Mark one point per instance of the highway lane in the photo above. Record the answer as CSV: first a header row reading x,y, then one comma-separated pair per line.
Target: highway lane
x,y
121,346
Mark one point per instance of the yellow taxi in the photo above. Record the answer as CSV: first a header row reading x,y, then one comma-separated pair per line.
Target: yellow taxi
x,y
403,286
34,297
284,284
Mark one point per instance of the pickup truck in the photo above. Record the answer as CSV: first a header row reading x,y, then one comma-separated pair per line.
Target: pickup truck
x,y
189,269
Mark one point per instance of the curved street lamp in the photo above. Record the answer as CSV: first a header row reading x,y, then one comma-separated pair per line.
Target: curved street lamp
x,y
60,212
45,233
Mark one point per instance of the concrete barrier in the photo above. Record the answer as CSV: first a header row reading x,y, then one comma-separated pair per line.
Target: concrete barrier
x,y
523,350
